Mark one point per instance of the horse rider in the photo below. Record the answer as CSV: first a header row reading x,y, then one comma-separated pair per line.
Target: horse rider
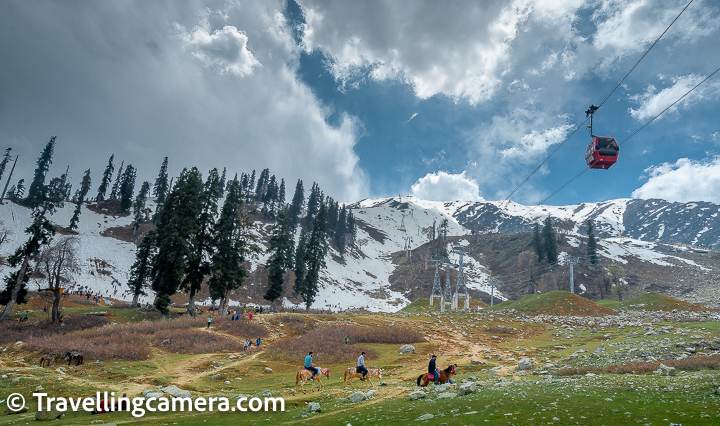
x,y
310,366
361,366
432,368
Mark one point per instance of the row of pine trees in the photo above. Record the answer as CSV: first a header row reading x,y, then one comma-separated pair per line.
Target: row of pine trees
x,y
192,240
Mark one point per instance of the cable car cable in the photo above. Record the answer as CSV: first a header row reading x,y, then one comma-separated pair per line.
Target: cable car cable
x,y
601,104
645,54
628,138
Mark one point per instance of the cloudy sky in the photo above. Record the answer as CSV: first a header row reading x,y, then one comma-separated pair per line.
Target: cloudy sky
x,y
442,100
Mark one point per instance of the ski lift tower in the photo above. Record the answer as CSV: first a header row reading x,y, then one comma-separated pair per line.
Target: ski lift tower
x,y
460,286
447,292
437,285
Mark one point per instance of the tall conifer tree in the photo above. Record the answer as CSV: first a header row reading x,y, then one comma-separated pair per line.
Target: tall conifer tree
x,y
139,205
281,254
160,188
549,241
592,244
36,192
315,256
297,203
140,272
127,188
177,223
4,162
234,244
106,179
115,191
80,198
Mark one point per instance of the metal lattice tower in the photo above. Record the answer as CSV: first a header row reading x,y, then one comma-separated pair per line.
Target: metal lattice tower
x,y
460,286
447,291
437,285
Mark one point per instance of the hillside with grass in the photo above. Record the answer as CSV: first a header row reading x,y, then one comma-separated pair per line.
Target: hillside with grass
x,y
511,365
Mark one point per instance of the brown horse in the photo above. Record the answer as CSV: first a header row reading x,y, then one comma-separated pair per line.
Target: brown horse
x,y
47,359
304,375
444,376
351,374
73,356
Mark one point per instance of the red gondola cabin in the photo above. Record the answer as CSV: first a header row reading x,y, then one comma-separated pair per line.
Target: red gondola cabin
x,y
602,153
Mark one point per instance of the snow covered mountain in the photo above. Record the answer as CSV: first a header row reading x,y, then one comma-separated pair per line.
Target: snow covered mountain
x,y
667,247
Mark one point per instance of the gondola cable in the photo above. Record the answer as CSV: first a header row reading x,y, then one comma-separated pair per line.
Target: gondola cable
x,y
628,138
601,104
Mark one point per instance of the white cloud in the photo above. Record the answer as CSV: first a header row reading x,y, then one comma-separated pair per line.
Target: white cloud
x,y
136,84
411,117
685,180
443,186
461,49
652,102
225,49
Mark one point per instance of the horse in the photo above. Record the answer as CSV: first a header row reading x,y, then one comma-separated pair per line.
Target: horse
x,y
444,376
73,356
304,375
351,374
48,359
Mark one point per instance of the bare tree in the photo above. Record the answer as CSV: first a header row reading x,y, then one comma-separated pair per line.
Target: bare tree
x,y
616,276
59,262
526,263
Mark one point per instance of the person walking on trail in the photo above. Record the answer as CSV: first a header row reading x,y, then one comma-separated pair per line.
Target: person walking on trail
x,y
432,369
258,342
347,340
250,315
361,366
209,321
310,366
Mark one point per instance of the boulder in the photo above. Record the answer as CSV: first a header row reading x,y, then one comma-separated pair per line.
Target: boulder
x,y
467,389
25,410
668,371
424,417
268,370
477,361
406,349
412,396
175,391
313,407
48,415
525,364
153,394
357,397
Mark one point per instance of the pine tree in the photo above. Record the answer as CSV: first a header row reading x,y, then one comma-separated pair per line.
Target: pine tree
x,y
4,162
549,241
139,205
350,229
262,183
198,266
282,246
115,191
127,188
268,198
315,256
592,244
297,203
300,267
314,201
41,231
106,179
140,272
221,184
537,243
80,198
160,188
17,191
177,223
281,194
233,245
36,191
341,232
